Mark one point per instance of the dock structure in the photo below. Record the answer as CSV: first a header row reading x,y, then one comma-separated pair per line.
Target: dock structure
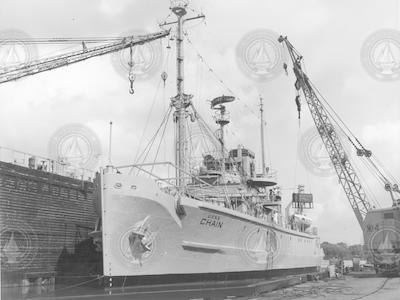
x,y
43,217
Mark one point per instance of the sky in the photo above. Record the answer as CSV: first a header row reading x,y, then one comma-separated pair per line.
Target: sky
x,y
329,34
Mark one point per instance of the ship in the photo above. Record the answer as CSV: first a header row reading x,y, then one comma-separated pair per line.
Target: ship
x,y
216,218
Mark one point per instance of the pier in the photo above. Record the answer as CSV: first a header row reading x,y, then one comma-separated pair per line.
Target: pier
x,y
354,286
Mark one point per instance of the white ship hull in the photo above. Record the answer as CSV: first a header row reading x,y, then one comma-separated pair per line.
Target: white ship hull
x,y
144,235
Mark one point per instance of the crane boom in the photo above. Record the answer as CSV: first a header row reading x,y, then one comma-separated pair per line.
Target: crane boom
x,y
25,69
345,171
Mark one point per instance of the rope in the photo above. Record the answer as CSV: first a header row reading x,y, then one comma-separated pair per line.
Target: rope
x,y
79,284
374,291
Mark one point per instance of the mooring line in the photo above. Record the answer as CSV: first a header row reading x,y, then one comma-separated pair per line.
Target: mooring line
x,y
375,291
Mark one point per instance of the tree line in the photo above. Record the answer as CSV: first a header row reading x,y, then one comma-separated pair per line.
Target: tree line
x,y
342,251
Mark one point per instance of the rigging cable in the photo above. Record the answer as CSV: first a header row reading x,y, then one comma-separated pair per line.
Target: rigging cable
x,y
164,98
220,81
218,78
146,150
147,121
51,53
161,139
208,131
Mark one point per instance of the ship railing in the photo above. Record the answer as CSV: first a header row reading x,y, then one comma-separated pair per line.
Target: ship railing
x,y
44,164
222,117
271,174
168,183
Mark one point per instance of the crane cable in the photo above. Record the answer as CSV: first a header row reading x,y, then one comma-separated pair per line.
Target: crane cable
x,y
131,75
54,41
324,99
377,171
394,179
383,177
296,155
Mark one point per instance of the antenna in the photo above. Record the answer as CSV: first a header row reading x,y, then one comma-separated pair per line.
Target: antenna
x,y
264,168
109,144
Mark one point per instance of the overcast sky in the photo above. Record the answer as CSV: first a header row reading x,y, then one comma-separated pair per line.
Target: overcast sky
x,y
329,34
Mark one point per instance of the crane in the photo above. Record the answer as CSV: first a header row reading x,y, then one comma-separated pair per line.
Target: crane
x,y
17,71
337,154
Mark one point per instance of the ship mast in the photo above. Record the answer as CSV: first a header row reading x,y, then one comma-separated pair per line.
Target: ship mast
x,y
222,119
264,168
181,101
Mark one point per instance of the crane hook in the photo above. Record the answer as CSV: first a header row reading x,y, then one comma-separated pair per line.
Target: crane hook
x,y
131,73
164,76
131,79
285,68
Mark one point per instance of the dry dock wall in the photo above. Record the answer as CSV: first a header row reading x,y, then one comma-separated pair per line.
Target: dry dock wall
x,y
41,214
